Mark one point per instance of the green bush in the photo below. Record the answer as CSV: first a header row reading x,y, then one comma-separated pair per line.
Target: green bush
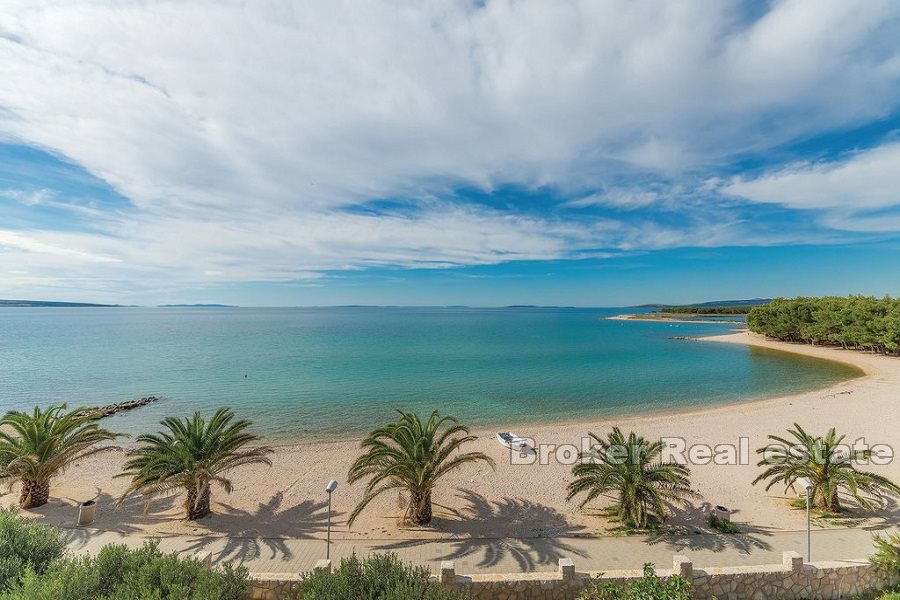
x,y
26,545
887,555
722,525
649,587
380,576
891,594
119,573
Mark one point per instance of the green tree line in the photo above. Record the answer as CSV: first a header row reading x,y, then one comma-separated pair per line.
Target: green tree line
x,y
858,322
708,310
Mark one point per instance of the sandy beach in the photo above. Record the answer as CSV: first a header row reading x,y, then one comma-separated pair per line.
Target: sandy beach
x,y
672,318
514,500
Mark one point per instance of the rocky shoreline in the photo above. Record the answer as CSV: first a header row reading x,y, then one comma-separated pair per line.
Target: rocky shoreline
x,y
111,409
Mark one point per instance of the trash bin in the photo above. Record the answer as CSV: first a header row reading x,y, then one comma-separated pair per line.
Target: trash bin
x,y
87,511
722,513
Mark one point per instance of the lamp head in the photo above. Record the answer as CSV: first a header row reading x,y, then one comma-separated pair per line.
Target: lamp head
x,y
804,483
332,485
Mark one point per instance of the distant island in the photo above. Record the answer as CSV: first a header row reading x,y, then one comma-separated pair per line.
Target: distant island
x,y
44,303
196,306
49,304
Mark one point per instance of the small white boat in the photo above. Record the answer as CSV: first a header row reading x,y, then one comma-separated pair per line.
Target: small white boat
x,y
512,441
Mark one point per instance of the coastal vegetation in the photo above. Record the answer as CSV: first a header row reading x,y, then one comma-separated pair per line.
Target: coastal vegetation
x,y
722,525
857,322
648,587
37,446
411,455
34,565
829,465
192,455
631,468
26,546
887,555
375,576
706,310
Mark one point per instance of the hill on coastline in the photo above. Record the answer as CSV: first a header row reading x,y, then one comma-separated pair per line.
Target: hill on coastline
x,y
44,303
196,306
711,304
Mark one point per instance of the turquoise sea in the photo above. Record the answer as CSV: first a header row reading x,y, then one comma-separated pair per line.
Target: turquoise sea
x,y
303,373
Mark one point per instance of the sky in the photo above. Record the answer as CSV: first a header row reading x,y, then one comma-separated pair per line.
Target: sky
x,y
485,152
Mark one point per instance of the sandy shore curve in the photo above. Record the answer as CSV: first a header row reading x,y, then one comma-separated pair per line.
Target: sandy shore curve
x,y
518,500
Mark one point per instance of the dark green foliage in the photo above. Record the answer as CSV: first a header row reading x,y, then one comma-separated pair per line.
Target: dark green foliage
x,y
379,576
722,525
858,322
649,587
887,555
118,573
26,545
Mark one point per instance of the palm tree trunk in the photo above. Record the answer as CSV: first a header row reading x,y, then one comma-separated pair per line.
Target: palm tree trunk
x,y
832,504
197,509
34,494
421,507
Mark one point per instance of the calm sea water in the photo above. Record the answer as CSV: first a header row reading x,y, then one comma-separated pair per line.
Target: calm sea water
x,y
326,372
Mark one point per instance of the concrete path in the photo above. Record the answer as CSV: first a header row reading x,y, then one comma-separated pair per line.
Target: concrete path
x,y
510,555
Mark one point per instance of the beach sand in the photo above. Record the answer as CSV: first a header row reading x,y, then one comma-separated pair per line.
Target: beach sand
x,y
288,499
673,318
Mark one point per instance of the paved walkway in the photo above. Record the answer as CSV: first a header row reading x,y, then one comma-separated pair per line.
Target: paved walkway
x,y
511,555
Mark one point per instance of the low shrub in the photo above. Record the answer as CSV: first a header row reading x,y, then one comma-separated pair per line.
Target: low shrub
x,y
722,525
26,545
380,576
887,555
649,587
120,573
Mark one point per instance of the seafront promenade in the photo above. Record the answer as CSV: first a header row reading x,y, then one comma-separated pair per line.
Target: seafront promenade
x,y
508,555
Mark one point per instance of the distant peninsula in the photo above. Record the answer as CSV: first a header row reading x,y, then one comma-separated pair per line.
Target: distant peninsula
x,y
44,303
196,306
711,304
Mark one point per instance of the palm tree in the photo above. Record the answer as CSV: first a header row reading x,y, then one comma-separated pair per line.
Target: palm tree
x,y
36,447
828,464
631,468
191,456
411,455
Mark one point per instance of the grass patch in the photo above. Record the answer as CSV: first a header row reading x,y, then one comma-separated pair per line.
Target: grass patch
x,y
619,527
824,518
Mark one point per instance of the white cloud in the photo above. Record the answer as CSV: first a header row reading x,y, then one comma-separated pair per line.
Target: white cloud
x,y
845,189
32,242
29,198
241,132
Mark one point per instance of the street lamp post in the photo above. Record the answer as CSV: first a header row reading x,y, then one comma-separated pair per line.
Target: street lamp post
x,y
332,485
805,483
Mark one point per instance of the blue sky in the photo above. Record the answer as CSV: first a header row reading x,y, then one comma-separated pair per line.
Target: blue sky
x,y
482,153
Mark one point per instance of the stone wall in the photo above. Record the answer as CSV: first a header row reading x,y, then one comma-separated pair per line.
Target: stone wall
x,y
273,586
791,580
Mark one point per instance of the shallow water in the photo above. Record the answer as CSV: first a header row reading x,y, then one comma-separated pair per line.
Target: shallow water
x,y
325,372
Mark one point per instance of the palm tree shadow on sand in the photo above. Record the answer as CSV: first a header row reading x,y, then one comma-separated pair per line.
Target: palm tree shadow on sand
x,y
63,512
530,547
248,534
705,537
